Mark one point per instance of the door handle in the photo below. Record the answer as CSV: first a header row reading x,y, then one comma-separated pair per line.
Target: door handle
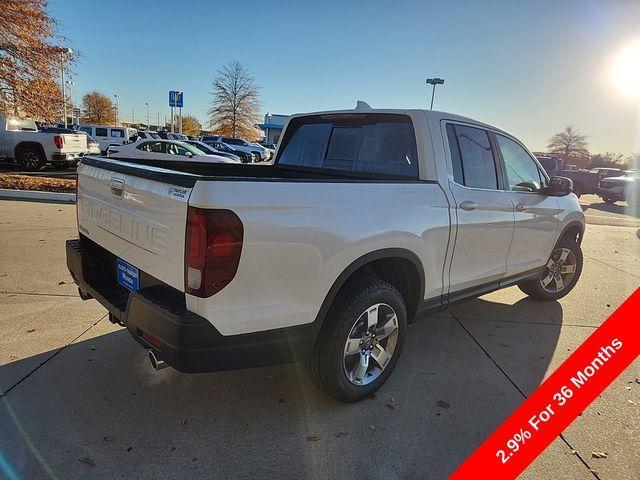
x,y
468,205
521,207
117,187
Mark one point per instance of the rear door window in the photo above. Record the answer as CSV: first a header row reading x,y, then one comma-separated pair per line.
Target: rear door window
x,y
472,157
369,143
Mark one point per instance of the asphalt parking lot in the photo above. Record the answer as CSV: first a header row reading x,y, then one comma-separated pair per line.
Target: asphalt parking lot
x,y
79,399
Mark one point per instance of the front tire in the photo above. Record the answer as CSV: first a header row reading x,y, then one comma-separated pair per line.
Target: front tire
x,y
609,200
559,275
361,340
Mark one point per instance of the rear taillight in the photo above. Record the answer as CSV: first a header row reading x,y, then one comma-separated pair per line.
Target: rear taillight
x,y
58,141
212,250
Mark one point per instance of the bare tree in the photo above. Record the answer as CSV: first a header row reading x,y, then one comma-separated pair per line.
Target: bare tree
x,y
235,106
30,60
571,146
98,109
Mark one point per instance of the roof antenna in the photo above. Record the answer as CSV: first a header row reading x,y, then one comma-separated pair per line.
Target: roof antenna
x,y
362,105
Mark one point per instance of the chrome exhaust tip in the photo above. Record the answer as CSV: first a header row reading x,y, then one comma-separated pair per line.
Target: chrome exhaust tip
x,y
155,362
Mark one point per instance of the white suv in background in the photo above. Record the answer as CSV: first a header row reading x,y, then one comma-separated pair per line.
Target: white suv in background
x,y
107,135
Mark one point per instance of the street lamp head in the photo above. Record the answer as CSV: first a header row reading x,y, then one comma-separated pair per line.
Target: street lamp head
x,y
435,81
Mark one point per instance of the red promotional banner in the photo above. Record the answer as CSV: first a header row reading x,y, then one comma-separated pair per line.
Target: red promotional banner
x,y
561,398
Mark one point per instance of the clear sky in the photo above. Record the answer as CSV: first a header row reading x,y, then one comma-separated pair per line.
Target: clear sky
x,y
529,67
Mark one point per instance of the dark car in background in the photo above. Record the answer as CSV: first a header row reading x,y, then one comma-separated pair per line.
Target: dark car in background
x,y
172,136
584,181
223,147
212,151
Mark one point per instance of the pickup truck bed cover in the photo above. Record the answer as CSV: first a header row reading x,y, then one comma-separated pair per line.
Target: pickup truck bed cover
x,y
186,174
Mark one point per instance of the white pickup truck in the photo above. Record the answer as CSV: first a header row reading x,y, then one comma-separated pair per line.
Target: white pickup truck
x,y
21,141
367,220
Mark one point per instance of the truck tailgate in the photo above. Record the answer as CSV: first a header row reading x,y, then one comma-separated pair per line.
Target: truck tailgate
x,y
74,143
140,220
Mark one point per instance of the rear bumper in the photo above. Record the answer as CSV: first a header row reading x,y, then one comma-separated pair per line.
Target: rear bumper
x,y
157,318
66,157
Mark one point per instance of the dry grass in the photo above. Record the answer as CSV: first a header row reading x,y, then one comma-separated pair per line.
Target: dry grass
x,y
41,184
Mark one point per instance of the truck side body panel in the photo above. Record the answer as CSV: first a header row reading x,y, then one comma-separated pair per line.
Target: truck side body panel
x,y
300,236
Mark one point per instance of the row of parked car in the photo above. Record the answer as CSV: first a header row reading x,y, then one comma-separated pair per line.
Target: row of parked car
x,y
35,146
118,140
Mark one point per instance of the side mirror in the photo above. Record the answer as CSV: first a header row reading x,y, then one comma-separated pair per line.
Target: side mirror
x,y
189,155
560,186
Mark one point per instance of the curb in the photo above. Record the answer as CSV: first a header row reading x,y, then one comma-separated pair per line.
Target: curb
x,y
8,194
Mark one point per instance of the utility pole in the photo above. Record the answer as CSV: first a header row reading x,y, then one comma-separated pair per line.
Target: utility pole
x,y
148,121
434,81
158,120
133,116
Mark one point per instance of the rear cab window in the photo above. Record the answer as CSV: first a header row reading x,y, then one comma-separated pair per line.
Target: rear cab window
x,y
371,145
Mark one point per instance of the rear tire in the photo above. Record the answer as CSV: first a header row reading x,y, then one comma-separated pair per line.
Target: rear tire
x,y
360,341
609,200
558,277
30,159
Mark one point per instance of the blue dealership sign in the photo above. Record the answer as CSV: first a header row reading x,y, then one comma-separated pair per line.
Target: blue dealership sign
x,y
175,98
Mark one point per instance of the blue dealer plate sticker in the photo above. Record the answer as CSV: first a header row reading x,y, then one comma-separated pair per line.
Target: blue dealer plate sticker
x,y
128,276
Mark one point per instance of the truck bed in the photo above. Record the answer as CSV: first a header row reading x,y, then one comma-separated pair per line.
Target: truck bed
x,y
185,173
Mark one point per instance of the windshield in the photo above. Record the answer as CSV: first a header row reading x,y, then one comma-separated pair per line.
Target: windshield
x,y
202,147
192,149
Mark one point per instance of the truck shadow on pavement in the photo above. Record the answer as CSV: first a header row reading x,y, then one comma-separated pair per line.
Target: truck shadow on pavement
x,y
97,410
620,208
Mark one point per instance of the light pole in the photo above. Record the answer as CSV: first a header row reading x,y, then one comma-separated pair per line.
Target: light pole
x,y
63,53
148,126
434,82
116,96
70,83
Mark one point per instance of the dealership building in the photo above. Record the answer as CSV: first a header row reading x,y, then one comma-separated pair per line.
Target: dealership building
x,y
272,127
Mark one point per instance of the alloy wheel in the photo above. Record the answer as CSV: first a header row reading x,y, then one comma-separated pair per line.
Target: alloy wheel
x,y
371,344
559,271
30,160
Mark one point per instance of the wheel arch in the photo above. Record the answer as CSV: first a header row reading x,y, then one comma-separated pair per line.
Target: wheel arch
x,y
24,145
574,230
403,269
